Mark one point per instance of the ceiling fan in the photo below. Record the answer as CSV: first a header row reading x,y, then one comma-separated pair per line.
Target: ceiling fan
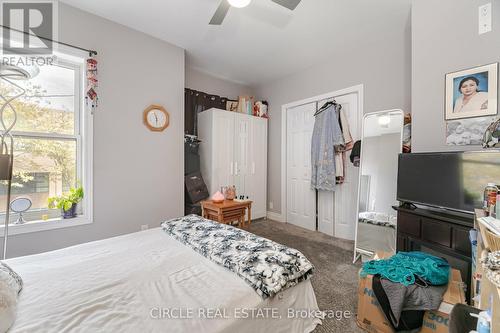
x,y
224,6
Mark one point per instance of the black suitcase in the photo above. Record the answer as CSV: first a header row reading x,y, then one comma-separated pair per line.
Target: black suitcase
x,y
192,209
196,190
191,157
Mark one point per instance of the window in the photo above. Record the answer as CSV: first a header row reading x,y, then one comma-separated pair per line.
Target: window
x,y
51,152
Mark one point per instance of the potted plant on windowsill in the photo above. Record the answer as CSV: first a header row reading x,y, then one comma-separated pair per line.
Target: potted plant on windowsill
x,y
67,202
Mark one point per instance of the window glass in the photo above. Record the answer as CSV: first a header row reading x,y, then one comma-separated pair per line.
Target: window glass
x,y
48,105
46,150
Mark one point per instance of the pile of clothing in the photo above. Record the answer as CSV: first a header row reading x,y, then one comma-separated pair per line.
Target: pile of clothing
x,y
406,285
491,264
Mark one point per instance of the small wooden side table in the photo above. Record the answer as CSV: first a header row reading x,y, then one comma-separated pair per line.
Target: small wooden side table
x,y
228,211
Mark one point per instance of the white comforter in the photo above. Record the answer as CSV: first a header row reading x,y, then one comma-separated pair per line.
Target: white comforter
x,y
124,284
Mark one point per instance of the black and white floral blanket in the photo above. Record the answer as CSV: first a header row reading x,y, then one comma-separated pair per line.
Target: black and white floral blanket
x,y
267,266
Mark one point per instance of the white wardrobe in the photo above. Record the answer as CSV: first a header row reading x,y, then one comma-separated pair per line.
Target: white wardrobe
x,y
233,151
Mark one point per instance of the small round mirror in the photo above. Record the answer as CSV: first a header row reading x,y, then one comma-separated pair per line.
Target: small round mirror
x,y
20,205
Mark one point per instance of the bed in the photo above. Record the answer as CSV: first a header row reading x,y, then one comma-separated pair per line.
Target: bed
x,y
377,232
148,282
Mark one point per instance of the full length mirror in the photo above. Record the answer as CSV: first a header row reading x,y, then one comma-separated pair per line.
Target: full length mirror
x,y
381,144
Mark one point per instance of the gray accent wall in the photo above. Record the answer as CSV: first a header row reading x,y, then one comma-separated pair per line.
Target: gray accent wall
x,y
381,62
138,174
445,39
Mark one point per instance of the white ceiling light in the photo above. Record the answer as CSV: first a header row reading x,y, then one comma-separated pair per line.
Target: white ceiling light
x,y
384,120
239,3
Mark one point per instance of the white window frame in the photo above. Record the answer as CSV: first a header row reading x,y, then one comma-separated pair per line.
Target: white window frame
x,y
84,143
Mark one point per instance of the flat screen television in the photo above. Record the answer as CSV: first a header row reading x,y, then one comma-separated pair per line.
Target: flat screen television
x,y
449,180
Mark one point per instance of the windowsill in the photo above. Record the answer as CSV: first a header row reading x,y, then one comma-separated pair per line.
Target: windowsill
x,y
51,224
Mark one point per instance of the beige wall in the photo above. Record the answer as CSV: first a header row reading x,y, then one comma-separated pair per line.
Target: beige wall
x,y
382,62
445,39
138,174
207,83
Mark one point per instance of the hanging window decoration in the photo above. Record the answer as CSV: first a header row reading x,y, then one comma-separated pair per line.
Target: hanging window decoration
x,y
92,83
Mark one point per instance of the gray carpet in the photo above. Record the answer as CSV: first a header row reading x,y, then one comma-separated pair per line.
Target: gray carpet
x,y
335,280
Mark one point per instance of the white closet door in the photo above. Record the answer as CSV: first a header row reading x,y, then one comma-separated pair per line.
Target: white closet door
x,y
326,212
301,199
326,202
337,210
347,193
241,153
256,179
223,146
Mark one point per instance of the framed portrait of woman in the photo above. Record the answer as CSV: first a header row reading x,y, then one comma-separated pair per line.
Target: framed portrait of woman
x,y
472,92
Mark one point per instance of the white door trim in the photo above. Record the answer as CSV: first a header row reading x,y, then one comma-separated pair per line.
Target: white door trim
x,y
358,89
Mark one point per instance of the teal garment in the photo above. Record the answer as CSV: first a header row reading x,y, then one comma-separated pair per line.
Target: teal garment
x,y
405,266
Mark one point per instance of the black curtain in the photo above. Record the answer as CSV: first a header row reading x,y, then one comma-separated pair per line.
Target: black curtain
x,y
196,102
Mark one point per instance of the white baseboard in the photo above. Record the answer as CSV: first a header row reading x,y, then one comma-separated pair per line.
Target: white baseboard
x,y
275,216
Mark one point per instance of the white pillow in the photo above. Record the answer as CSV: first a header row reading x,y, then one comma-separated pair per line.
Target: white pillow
x,y
8,306
11,285
10,277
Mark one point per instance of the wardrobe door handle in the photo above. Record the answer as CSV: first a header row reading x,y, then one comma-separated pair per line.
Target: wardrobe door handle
x,y
253,168
236,168
232,170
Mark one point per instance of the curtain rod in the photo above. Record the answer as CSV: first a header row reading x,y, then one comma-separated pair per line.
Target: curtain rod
x,y
91,52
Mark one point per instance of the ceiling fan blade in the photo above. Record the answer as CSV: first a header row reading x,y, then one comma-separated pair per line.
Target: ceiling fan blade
x,y
290,4
220,13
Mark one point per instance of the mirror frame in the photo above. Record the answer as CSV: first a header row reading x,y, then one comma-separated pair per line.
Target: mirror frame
x,y
357,251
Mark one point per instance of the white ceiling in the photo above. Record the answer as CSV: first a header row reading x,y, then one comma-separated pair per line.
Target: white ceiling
x,y
256,44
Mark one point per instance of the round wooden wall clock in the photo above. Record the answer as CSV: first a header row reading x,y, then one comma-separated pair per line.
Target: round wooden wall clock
x,y
156,118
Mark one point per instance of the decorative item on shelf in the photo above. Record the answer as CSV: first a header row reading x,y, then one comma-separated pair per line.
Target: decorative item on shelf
x,y
250,103
491,265
407,133
218,197
92,84
232,106
256,109
67,202
260,109
241,104
229,192
469,131
491,137
20,205
490,191
156,118
472,92
245,104
264,110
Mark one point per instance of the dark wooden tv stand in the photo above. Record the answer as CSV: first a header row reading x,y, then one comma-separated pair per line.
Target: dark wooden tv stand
x,y
439,233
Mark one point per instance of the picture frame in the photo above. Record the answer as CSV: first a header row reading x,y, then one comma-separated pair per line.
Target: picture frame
x,y
472,92
232,105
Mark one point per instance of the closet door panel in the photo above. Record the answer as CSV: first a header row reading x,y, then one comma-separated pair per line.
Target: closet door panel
x,y
256,180
301,199
346,194
223,146
326,202
241,127
326,216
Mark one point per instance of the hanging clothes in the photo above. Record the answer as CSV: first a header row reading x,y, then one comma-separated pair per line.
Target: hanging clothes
x,y
327,135
340,154
356,153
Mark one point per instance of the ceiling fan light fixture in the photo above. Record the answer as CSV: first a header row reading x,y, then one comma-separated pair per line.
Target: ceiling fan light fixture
x,y
239,3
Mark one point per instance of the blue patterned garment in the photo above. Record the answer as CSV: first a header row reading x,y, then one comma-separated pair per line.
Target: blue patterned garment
x,y
405,266
326,135
268,267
